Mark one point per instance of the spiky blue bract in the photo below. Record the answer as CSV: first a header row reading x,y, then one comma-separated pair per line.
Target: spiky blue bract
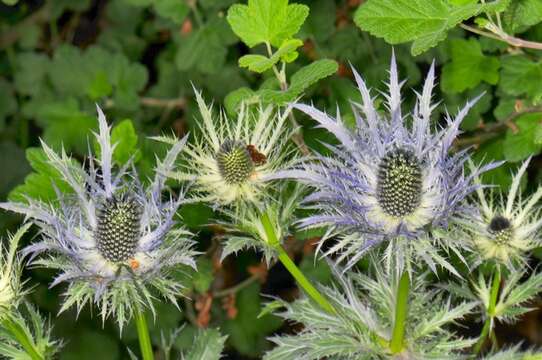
x,y
78,235
229,160
393,177
362,326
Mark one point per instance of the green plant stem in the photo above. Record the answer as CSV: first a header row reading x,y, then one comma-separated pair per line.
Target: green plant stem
x,y
401,310
490,311
292,267
143,334
18,332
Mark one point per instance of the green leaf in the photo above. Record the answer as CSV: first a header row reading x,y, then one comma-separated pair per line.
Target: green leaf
x,y
65,124
520,143
521,76
204,49
91,345
99,86
13,158
31,73
260,63
266,21
195,215
233,100
468,67
300,81
208,345
522,14
424,22
175,10
247,333
39,183
125,139
321,23
8,102
203,278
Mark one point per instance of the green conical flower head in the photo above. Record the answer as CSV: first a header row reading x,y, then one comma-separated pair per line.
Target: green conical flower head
x,y
118,228
234,162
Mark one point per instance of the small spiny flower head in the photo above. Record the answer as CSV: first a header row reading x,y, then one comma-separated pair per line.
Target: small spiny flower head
x,y
230,160
505,229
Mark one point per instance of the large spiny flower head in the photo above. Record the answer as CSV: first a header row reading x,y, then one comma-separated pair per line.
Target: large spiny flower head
x,y
114,240
232,156
392,177
506,228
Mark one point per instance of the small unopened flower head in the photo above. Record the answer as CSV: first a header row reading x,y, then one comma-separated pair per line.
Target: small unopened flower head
x,y
114,241
10,272
230,159
392,177
506,227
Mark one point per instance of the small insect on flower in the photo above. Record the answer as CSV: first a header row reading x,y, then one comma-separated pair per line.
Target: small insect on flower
x,y
230,159
506,229
115,242
392,177
10,272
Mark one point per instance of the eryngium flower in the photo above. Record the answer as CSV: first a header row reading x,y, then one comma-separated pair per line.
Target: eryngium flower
x,y
10,272
115,242
362,327
506,229
230,158
386,178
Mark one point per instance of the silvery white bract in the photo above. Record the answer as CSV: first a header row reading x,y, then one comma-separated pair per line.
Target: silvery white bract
x,y
114,240
245,227
506,228
392,177
514,299
207,344
36,330
11,266
362,327
231,157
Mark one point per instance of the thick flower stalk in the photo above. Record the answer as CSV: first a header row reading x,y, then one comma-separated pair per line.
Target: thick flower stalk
x,y
392,178
114,241
506,228
230,158
363,326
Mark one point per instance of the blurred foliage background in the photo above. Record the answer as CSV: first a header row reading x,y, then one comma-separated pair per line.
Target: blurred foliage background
x,y
141,59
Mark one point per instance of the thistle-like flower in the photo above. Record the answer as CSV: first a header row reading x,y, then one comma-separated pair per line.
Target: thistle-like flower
x,y
362,326
246,229
230,159
506,229
115,242
10,273
392,177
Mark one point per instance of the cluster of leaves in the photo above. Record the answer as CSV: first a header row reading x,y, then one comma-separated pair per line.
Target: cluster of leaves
x,y
139,59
